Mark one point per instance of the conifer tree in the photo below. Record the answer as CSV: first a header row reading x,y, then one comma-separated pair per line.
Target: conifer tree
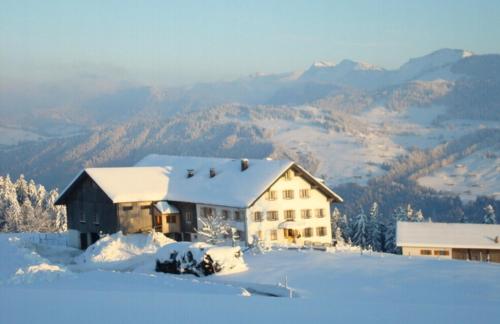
x,y
489,215
360,230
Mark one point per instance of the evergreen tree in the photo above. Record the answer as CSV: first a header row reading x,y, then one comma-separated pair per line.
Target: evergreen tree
x,y
462,217
360,230
374,234
419,216
489,215
399,214
339,237
410,215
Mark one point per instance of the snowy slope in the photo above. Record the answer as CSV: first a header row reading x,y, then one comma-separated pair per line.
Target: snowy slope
x,y
476,174
338,287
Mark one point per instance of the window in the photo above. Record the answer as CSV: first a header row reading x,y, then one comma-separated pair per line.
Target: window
x,y
96,218
287,194
189,217
441,252
290,215
273,235
83,219
237,216
171,219
257,216
289,175
225,214
320,213
272,195
127,208
143,207
305,213
308,232
425,252
272,215
304,193
207,212
321,231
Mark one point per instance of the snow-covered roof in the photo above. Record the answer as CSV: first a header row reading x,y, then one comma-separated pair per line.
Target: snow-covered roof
x,y
449,235
165,208
164,177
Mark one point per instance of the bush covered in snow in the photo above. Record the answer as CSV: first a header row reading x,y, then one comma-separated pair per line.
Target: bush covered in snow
x,y
200,259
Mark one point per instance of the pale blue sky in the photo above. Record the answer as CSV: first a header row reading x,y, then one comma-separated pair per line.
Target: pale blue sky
x,y
178,42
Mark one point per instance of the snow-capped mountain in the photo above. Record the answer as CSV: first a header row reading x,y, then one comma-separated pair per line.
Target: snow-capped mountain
x,y
436,65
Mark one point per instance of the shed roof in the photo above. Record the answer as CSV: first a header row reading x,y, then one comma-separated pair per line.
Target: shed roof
x,y
165,208
449,235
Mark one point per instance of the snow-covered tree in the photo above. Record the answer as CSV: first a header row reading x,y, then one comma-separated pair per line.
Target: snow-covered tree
x,y
419,216
214,228
360,230
335,220
374,234
25,206
489,215
410,214
399,214
339,238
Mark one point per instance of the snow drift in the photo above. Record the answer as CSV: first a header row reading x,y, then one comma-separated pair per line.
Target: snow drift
x,y
123,252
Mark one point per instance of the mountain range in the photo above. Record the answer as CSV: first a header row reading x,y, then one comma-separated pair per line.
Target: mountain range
x,y
350,122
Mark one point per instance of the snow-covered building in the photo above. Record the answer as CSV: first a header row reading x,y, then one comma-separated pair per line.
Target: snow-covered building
x,y
275,200
479,242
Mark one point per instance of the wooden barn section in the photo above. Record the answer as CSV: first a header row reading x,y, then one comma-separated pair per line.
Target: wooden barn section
x,y
476,242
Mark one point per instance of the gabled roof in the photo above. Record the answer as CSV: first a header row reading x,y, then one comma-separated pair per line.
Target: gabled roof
x,y
164,177
448,235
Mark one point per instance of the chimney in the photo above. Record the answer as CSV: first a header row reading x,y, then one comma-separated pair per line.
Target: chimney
x,y
496,239
212,172
244,164
190,173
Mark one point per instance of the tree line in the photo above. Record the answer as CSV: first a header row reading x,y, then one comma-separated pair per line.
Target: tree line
x,y
377,232
28,207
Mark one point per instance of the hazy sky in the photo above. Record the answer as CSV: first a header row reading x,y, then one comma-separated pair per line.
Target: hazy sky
x,y
178,42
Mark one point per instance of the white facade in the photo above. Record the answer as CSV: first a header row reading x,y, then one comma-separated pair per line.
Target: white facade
x,y
291,195
311,211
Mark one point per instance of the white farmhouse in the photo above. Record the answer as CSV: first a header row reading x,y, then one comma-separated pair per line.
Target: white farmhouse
x,y
275,200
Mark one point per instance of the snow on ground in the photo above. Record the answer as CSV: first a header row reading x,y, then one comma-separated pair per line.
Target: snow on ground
x,y
476,174
122,252
328,287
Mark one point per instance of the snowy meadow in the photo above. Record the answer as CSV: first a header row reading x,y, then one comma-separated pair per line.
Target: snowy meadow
x,y
44,281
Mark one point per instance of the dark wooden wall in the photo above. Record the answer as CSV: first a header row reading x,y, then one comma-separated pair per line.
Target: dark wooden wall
x,y
88,199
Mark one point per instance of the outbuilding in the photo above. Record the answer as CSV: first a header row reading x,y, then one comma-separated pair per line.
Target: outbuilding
x,y
478,242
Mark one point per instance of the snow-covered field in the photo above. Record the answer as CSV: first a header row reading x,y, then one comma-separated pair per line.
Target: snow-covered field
x,y
46,282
